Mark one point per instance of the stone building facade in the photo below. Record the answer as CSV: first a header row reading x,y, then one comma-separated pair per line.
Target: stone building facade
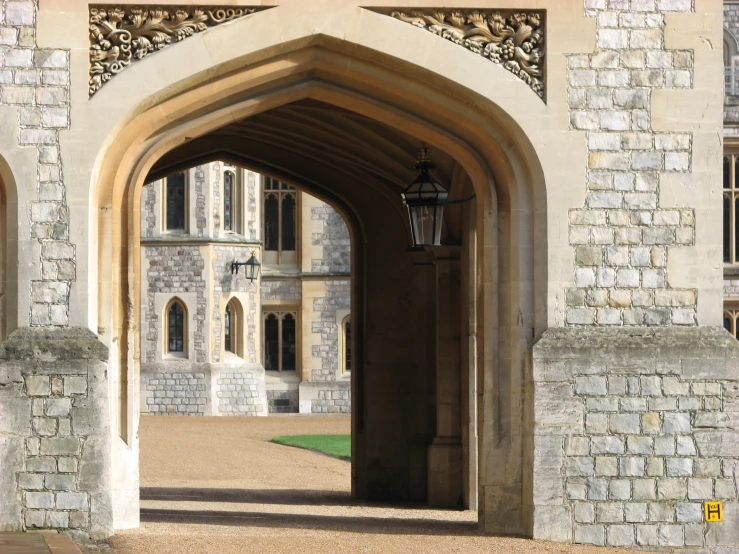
x,y
194,224
558,362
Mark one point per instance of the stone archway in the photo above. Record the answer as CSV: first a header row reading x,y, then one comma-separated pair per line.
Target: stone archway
x,y
505,183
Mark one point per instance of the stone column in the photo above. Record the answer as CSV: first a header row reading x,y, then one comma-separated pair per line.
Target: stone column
x,y
445,453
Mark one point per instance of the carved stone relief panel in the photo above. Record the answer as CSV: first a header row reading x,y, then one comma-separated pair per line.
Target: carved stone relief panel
x,y
513,39
122,35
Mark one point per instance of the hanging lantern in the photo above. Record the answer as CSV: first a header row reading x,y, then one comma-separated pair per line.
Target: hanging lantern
x,y
425,198
251,267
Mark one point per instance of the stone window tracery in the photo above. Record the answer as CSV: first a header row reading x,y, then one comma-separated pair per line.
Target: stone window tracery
x,y
230,202
175,203
176,328
730,199
280,340
731,314
280,208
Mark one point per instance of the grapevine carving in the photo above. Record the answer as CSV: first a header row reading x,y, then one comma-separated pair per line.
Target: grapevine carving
x,y
514,40
120,36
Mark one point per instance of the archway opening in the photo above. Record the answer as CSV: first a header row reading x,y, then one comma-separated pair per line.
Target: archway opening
x,y
468,306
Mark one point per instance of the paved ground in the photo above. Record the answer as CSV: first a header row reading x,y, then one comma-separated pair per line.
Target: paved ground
x,y
35,542
214,485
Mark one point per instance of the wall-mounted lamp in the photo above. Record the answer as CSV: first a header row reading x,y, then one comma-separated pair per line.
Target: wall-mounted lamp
x,y
425,198
251,267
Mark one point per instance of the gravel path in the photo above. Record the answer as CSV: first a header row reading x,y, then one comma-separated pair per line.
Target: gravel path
x,y
214,485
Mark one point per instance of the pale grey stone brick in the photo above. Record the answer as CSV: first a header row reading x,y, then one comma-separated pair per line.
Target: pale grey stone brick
x,y
602,141
651,423
619,489
580,466
576,490
44,426
588,217
51,96
662,404
58,519
608,19
634,404
625,424
635,20
27,77
700,489
671,489
51,59
651,385
612,39
580,61
620,535
597,489
584,512
640,200
646,181
593,386
581,316
590,534
32,481
653,278
37,136
608,316
671,535
42,464
637,141
645,38
37,385
58,482
589,255
631,467
677,423
54,77
72,501
42,500
75,384
623,181
645,161
647,78
686,446
605,277
620,299
577,446
8,36
677,78
689,512
725,488
628,236
607,445
607,160
641,217
674,298
55,446
16,95
646,535
627,278
671,141
632,59
657,316
35,518
18,58
606,466
644,489
585,120
609,512
654,467
597,297
661,512
679,467
694,535
67,464
677,161
615,121
635,512
20,14
582,78
602,404
55,117
607,59
664,446
659,59
639,445
618,255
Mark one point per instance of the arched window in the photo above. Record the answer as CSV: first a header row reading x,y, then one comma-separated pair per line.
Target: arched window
x,y
280,203
347,343
233,328
730,198
229,201
731,314
280,341
175,202
176,339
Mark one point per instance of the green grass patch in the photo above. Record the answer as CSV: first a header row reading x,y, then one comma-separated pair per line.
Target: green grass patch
x,y
339,446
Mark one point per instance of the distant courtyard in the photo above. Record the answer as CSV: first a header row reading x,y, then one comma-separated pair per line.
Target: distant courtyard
x,y
217,485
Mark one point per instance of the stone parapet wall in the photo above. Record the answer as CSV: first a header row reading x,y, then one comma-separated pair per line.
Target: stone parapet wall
x,y
621,236
633,431
54,432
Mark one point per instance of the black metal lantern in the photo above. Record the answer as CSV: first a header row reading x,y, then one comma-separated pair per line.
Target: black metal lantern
x,y
252,267
425,198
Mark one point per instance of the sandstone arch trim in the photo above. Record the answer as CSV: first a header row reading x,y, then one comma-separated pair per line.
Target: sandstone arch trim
x,y
512,39
120,36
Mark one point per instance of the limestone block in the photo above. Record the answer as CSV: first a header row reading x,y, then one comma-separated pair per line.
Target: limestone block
x,y
72,500
42,500
590,534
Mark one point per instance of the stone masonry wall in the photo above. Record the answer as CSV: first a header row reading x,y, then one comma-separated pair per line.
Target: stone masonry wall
x,y
337,298
239,393
174,269
280,289
333,401
54,436
334,242
168,389
225,282
282,401
621,236
731,18
36,82
634,430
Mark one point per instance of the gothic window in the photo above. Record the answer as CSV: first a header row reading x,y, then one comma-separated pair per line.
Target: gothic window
x,y
228,200
731,314
175,202
279,221
730,198
176,327
348,343
233,328
280,341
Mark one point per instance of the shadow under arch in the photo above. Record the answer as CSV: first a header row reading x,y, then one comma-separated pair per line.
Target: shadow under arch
x,y
8,251
493,150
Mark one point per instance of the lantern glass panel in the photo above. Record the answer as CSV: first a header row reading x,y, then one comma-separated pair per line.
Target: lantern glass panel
x,y
426,224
